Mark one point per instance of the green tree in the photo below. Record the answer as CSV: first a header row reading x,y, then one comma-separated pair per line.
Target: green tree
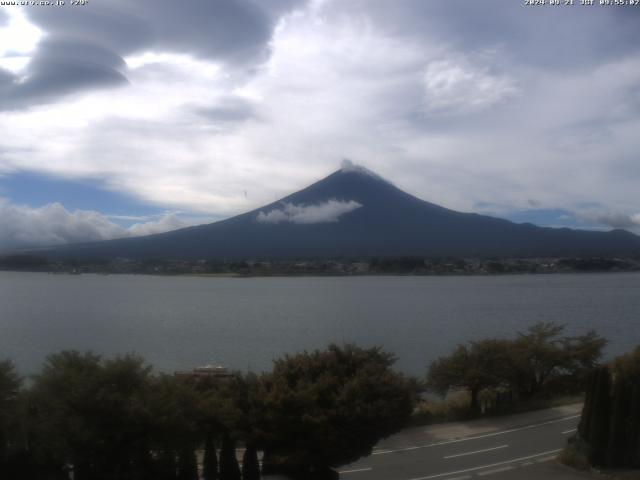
x,y
210,460
609,429
187,463
92,414
229,468
173,406
250,464
328,408
528,365
10,384
583,353
539,353
542,356
600,418
482,364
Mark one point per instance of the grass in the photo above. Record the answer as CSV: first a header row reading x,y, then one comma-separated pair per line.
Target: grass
x,y
455,407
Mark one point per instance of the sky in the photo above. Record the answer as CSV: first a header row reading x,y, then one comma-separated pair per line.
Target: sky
x,y
121,118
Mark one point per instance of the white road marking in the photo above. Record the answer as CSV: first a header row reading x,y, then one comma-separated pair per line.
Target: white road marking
x,y
355,470
546,459
473,469
477,451
466,439
569,431
495,470
466,477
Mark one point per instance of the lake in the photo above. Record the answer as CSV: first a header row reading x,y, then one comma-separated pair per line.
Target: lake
x,y
179,322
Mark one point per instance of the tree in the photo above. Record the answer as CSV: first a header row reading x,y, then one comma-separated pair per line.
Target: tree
x,y
92,414
187,463
582,355
174,411
328,408
229,468
538,354
609,429
542,356
599,421
530,364
250,464
10,384
483,364
210,460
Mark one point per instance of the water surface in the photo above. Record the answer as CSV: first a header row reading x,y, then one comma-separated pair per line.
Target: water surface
x,y
243,323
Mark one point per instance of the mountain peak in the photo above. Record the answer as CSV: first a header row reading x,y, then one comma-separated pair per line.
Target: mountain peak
x,y
347,166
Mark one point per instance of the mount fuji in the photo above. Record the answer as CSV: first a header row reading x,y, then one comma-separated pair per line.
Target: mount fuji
x,y
355,213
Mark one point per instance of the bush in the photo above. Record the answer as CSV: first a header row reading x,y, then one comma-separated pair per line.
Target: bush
x,y
455,407
574,457
328,408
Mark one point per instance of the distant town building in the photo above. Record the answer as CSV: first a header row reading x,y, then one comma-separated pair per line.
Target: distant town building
x,y
207,371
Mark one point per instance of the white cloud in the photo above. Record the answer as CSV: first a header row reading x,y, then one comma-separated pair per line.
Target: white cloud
x,y
458,86
165,223
19,37
612,219
52,224
329,211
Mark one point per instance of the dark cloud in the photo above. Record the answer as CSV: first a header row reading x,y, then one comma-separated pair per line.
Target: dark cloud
x,y
69,49
553,37
230,110
233,31
6,78
85,46
276,8
114,26
61,66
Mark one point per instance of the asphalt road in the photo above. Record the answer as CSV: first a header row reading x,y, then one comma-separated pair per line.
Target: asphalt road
x,y
510,447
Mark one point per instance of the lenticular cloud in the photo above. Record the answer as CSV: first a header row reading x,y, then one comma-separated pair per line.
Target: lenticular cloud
x,y
329,211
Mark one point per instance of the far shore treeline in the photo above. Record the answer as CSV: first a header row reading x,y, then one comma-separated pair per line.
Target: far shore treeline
x,y
390,265
115,418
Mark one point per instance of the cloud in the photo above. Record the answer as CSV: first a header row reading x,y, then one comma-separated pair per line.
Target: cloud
x,y
23,226
233,31
326,212
163,224
231,109
612,219
61,67
457,86
75,50
458,103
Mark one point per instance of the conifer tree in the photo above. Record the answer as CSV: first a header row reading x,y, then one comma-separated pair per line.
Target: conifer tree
x,y
187,464
210,461
587,409
250,464
167,466
229,469
600,418
618,442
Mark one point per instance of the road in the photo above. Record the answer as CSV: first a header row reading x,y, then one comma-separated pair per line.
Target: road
x,y
512,447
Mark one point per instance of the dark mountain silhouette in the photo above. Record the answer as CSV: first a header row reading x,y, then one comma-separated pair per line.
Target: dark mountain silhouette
x,y
355,213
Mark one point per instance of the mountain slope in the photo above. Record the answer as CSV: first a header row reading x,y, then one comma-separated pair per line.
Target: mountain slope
x,y
355,213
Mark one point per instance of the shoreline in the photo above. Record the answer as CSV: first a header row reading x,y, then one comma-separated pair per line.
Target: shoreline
x,y
325,275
